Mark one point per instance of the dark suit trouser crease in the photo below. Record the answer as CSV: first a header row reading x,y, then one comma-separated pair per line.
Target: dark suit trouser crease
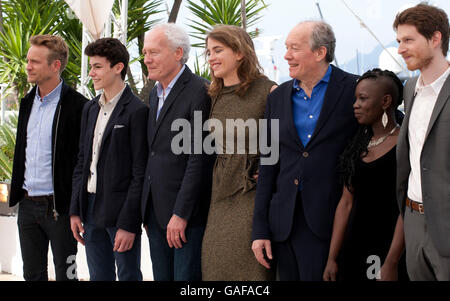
x,y
303,256
38,228
101,258
171,264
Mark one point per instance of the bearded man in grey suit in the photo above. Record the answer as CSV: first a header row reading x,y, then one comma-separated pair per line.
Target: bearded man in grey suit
x,y
423,161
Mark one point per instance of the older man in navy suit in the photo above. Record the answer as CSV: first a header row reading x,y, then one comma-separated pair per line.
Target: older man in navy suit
x,y
297,197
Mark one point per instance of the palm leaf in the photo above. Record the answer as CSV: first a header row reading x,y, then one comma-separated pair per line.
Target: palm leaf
x,y
208,13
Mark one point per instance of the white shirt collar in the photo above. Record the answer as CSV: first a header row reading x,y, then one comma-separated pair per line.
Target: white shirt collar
x,y
113,100
436,85
159,87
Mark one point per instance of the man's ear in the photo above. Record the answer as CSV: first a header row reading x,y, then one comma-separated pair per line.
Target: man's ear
x,y
179,53
118,67
321,53
436,39
56,66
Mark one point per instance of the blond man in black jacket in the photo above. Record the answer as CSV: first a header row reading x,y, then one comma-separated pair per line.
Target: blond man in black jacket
x,y
44,159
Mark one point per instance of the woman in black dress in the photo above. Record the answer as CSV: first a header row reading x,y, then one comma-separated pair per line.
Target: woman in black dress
x,y
367,241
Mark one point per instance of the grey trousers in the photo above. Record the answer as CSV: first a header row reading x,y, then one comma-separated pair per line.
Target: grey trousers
x,y
423,262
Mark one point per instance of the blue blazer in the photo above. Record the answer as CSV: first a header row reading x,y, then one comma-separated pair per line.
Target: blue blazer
x,y
177,184
314,167
120,167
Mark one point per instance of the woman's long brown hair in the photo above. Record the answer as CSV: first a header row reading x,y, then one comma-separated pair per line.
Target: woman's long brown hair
x,y
240,42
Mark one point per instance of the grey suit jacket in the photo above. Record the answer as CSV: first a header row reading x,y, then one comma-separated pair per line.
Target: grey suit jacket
x,y
434,164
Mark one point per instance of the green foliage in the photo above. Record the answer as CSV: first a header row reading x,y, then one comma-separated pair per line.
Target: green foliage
x,y
22,19
70,29
202,70
7,144
211,12
139,13
139,22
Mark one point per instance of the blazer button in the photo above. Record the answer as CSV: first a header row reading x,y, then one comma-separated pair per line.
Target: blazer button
x,y
296,182
152,154
306,154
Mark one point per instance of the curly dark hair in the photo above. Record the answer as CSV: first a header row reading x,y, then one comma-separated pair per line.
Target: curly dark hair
x,y
357,148
112,49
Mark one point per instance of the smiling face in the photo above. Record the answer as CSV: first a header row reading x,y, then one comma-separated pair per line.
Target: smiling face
x,y
299,56
370,102
224,62
38,69
103,75
162,61
415,49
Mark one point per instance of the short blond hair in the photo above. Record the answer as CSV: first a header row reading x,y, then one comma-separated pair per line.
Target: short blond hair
x,y
58,49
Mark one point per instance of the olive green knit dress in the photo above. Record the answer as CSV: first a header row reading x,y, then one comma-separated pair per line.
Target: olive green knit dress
x,y
226,251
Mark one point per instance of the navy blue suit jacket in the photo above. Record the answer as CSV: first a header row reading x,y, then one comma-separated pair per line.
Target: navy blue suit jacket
x,y
314,167
177,184
120,167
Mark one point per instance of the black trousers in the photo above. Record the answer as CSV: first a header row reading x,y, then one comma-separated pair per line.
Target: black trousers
x,y
37,228
303,256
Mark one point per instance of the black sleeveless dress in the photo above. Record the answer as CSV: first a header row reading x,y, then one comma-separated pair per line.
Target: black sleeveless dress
x,y
372,220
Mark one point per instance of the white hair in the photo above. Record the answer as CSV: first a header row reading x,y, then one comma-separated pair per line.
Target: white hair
x,y
177,37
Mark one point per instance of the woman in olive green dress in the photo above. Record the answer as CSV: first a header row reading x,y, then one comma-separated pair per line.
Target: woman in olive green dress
x,y
238,91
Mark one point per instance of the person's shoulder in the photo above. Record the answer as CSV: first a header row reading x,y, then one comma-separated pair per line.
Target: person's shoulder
x,y
341,74
198,81
197,85
264,82
274,98
90,102
136,102
282,87
70,94
29,97
411,83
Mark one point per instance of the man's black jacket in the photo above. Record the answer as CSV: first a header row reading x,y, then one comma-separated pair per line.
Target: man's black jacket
x,y
65,133
120,166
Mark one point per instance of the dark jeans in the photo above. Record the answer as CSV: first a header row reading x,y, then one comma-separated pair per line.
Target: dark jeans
x,y
101,259
171,264
37,228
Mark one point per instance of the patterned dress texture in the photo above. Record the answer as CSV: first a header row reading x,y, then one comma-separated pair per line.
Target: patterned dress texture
x,y
226,252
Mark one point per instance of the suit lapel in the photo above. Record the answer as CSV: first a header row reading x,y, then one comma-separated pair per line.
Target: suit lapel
x,y
290,115
27,106
409,97
176,90
92,120
153,104
124,99
332,97
440,102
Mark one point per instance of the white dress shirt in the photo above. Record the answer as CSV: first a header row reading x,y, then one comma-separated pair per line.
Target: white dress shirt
x,y
106,109
424,103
